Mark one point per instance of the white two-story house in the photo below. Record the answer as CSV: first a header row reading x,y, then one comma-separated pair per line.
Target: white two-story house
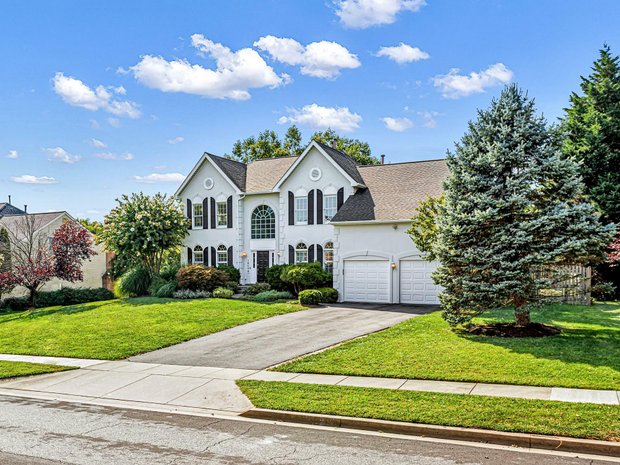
x,y
320,206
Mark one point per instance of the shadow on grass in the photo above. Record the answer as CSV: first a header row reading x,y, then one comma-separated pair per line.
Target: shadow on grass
x,y
590,335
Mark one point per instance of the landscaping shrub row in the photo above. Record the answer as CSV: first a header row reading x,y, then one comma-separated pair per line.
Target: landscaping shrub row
x,y
65,296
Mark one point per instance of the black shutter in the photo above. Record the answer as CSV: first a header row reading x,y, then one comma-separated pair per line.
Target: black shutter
x,y
190,255
311,253
205,213
291,208
319,254
213,224
189,214
340,197
319,206
213,257
291,254
229,212
230,256
311,207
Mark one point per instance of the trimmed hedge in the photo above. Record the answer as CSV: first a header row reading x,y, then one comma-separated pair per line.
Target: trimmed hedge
x,y
310,297
256,289
61,297
272,296
189,294
329,295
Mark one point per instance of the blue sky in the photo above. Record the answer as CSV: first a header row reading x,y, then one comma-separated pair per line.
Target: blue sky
x,y
101,99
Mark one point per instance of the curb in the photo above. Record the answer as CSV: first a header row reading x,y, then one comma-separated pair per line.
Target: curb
x,y
533,441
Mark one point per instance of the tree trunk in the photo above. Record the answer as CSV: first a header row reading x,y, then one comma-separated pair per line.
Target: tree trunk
x,y
522,315
31,296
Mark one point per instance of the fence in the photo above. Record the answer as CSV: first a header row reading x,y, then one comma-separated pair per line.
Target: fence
x,y
568,284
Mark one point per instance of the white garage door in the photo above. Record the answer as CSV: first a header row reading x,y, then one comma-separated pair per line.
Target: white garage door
x,y
416,283
366,281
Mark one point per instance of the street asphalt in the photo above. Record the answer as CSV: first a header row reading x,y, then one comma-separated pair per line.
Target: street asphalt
x,y
271,341
35,432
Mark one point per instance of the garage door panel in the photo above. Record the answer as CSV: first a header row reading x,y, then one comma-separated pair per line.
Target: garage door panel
x,y
366,281
416,282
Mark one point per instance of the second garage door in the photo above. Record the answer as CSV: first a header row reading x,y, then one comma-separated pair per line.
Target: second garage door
x,y
416,283
366,281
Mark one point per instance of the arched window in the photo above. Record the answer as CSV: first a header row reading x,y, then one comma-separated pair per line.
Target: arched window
x,y
328,257
222,255
263,223
198,255
301,253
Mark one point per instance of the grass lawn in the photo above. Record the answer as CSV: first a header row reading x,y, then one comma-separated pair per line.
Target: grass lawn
x,y
519,415
585,355
116,329
14,369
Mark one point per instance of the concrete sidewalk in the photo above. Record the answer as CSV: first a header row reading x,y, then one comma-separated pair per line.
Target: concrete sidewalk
x,y
214,388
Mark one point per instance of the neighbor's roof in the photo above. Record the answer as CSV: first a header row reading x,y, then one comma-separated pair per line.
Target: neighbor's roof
x,y
263,175
41,219
393,191
8,209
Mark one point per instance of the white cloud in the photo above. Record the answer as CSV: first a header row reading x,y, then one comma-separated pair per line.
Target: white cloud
x,y
316,116
95,124
429,118
114,156
319,59
12,154
235,73
76,93
114,122
159,177
360,14
397,124
97,143
29,179
176,140
403,53
454,85
61,155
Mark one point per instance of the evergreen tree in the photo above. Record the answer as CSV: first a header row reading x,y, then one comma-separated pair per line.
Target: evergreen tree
x,y
5,251
513,207
592,128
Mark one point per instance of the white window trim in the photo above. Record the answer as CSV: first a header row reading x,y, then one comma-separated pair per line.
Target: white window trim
x,y
304,250
335,208
202,251
217,255
195,216
217,215
325,250
305,210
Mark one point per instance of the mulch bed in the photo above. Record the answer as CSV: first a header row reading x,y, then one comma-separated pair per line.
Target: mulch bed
x,y
512,330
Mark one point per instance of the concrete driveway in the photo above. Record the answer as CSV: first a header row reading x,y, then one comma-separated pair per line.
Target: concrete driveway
x,y
268,342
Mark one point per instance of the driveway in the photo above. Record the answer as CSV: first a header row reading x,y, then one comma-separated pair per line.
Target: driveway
x,y
268,342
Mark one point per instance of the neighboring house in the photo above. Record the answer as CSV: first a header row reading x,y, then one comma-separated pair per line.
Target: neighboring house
x,y
320,206
46,223
8,209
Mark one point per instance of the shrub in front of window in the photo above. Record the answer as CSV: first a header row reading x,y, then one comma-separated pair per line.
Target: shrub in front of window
x,y
329,295
200,278
273,277
310,297
233,273
256,289
222,293
272,296
306,276
134,283
189,294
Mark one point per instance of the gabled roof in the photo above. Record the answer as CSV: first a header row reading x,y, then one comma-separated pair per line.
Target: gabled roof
x,y
234,170
8,209
263,175
42,219
393,191
343,160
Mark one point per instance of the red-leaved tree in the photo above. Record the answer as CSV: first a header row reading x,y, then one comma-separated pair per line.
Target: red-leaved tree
x,y
71,246
613,253
7,282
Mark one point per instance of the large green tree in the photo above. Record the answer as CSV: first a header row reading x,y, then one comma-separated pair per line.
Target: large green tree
x,y
592,130
269,145
513,207
142,230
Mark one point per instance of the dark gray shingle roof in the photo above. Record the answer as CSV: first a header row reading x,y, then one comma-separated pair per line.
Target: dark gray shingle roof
x,y
344,161
8,209
393,191
235,170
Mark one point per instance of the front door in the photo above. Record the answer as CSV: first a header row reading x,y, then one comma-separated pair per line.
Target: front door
x,y
262,263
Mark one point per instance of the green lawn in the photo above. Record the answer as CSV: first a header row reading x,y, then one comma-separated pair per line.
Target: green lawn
x,y
116,329
14,369
520,415
585,355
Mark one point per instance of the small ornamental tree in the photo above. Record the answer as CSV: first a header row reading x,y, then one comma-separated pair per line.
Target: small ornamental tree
x,y
142,229
513,207
71,245
423,229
